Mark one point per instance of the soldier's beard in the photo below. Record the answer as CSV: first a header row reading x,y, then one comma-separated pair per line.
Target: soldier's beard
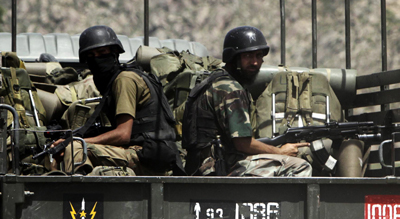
x,y
246,77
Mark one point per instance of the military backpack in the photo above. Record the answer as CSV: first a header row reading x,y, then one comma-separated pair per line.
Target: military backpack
x,y
19,92
179,72
295,99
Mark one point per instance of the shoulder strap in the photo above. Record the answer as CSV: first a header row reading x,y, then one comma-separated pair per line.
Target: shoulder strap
x,y
154,84
298,97
292,95
200,88
305,96
17,99
74,95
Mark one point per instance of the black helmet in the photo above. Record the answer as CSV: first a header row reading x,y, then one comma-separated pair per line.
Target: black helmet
x,y
95,37
243,39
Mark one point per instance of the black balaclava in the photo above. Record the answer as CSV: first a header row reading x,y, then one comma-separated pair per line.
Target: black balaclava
x,y
103,68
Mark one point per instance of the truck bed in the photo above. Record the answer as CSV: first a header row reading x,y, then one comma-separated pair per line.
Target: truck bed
x,y
198,197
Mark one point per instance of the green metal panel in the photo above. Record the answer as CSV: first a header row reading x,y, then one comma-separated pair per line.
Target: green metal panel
x,y
190,197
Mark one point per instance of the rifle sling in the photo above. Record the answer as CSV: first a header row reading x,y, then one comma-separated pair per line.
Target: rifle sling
x,y
82,130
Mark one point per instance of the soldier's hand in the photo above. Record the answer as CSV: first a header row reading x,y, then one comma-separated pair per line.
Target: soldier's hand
x,y
57,142
292,149
58,157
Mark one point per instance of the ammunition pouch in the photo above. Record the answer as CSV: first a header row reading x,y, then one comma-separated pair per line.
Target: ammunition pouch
x,y
209,161
319,155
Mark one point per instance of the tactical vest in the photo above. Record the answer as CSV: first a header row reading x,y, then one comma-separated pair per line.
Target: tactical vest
x,y
154,120
199,126
296,99
153,129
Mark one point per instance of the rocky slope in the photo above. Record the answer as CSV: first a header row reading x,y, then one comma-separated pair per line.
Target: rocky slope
x,y
207,21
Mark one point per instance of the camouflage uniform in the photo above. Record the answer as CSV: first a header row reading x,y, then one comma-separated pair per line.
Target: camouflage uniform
x,y
232,106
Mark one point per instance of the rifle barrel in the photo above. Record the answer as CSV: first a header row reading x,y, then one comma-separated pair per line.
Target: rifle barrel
x,y
330,130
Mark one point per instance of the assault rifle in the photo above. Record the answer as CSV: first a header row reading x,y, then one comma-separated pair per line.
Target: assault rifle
x,y
67,135
365,131
57,149
334,130
77,132
55,135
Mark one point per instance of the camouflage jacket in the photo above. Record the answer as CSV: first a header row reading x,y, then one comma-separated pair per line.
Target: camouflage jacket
x,y
231,105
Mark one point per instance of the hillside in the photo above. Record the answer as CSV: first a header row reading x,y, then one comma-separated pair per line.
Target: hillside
x,y
207,22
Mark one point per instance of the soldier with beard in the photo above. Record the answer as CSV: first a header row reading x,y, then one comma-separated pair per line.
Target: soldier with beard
x,y
221,106
139,113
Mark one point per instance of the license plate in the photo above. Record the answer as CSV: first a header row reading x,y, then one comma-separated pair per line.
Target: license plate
x,y
238,210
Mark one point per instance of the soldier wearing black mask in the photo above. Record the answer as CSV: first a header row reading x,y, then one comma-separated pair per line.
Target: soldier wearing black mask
x,y
132,98
100,47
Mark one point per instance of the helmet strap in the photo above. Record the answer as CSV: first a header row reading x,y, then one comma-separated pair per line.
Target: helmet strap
x,y
234,68
238,63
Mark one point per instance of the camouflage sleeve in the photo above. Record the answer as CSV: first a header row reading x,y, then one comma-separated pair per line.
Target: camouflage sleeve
x,y
232,106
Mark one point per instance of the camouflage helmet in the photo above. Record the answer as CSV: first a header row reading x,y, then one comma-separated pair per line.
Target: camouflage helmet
x,y
95,37
243,39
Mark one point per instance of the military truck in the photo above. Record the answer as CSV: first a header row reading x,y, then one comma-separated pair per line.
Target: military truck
x,y
377,195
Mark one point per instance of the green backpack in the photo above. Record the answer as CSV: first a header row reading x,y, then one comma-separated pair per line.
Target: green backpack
x,y
296,99
179,73
18,91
